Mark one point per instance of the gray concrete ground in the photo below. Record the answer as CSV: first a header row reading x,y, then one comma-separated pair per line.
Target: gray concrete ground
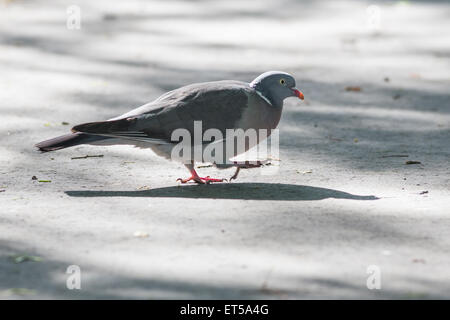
x,y
341,201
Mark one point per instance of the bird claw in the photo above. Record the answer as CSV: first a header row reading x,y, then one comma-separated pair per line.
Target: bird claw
x,y
200,180
209,180
185,180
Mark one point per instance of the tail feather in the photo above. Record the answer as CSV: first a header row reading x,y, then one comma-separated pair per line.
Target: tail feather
x,y
105,127
66,141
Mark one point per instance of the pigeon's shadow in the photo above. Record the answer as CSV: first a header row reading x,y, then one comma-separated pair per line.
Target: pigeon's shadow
x,y
242,191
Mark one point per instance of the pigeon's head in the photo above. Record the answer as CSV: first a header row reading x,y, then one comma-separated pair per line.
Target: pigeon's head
x,y
275,86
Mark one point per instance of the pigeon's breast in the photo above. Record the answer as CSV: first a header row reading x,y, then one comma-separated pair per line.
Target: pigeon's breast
x,y
259,114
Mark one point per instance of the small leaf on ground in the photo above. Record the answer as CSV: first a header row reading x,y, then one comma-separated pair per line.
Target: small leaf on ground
x,y
24,258
354,89
17,292
304,172
413,162
44,180
419,260
65,123
140,234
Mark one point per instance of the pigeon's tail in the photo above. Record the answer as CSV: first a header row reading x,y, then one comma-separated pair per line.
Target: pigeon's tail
x,y
105,127
66,141
122,129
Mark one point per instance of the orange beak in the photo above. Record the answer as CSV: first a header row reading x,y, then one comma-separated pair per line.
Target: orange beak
x,y
298,93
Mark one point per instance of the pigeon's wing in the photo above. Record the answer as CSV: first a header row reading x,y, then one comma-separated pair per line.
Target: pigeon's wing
x,y
218,105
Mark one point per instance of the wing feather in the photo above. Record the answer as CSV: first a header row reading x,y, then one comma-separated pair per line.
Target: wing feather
x,y
218,105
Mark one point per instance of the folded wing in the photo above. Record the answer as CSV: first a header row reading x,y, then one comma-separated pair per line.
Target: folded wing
x,y
217,105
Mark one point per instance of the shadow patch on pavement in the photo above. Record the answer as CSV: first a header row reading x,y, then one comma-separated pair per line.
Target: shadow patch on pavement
x,y
242,191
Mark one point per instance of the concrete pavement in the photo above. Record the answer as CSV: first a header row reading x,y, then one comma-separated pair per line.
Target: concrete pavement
x,y
344,198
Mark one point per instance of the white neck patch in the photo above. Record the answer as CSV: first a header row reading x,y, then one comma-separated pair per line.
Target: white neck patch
x,y
262,96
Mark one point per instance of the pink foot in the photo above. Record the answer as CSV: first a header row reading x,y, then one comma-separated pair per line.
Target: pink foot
x,y
195,177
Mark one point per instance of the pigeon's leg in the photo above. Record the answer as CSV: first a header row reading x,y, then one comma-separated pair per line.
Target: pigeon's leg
x,y
250,164
246,165
236,173
196,178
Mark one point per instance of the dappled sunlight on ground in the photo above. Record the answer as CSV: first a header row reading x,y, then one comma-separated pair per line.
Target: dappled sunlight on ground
x,y
343,197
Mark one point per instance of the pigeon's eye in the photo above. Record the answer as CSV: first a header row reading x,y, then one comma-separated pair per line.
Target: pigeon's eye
x,y
282,81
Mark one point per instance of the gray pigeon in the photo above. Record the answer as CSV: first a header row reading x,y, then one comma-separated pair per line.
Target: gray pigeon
x,y
218,105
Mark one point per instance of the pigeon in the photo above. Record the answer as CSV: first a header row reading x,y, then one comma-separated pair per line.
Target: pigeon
x,y
219,105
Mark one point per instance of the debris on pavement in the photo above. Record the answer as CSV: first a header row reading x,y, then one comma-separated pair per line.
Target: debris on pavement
x,y
141,234
275,292
88,156
24,258
419,260
205,166
304,172
353,89
34,178
424,192
413,162
17,292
